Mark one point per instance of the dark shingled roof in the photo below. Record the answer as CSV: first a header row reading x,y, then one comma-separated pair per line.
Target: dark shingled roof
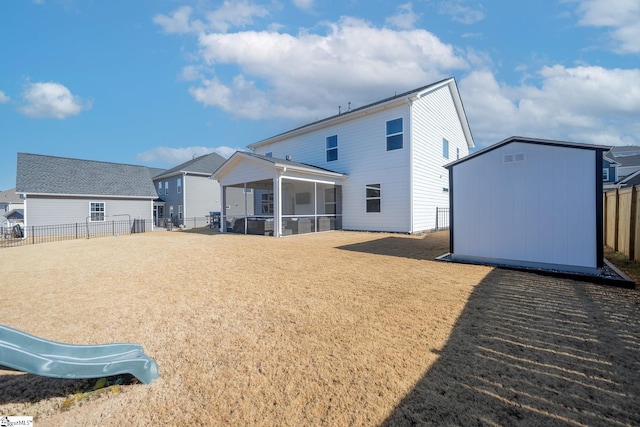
x,y
204,165
39,174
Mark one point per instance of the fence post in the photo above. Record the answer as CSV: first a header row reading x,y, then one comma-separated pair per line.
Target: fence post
x,y
616,220
632,224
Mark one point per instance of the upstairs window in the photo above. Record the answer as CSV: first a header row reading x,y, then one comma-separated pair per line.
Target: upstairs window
x,y
97,211
394,134
179,185
605,174
332,148
166,187
445,148
373,197
159,188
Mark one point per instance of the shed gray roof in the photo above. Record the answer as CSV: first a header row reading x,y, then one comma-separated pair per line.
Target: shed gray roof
x,y
526,140
40,174
203,165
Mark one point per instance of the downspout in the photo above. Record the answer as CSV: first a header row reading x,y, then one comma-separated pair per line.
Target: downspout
x,y
184,197
410,142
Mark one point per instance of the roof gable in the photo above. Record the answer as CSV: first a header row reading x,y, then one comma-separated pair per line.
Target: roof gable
x,y
275,162
10,196
354,114
40,174
203,165
526,140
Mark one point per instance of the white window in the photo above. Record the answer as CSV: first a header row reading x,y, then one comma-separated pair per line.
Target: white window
x,y
97,210
332,148
605,174
267,203
180,212
445,148
394,134
159,188
166,187
373,197
179,185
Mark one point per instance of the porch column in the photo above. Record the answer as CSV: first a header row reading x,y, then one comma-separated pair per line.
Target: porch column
x,y
277,205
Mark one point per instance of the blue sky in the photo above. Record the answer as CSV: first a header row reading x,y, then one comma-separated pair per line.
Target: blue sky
x,y
155,82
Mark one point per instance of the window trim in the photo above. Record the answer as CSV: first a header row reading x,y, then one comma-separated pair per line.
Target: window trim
x,y
93,213
605,174
179,185
180,212
391,135
367,198
331,148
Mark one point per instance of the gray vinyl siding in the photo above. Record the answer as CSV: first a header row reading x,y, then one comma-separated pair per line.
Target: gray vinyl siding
x,y
434,118
202,195
49,210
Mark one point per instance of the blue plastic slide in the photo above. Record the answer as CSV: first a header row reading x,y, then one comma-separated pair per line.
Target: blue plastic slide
x,y
23,352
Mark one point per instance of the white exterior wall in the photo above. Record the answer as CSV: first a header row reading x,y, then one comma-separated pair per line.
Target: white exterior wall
x,y
434,118
540,210
202,195
68,210
363,156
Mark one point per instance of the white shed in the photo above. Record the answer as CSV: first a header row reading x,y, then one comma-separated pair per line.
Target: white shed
x,y
531,203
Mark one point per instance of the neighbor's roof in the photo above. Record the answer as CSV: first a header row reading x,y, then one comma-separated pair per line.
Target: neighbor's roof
x,y
352,114
10,196
203,165
276,162
40,174
526,140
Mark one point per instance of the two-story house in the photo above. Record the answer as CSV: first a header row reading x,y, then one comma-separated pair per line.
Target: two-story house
x,y
379,167
186,191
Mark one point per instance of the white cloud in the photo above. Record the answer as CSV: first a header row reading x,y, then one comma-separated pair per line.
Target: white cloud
x,y
621,16
174,156
303,4
4,98
582,104
231,14
461,13
51,100
405,19
300,76
177,22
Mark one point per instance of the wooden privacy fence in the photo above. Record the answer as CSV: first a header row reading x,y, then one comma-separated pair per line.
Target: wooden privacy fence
x,y
622,221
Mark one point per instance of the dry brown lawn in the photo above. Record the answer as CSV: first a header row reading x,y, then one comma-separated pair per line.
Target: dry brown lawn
x,y
331,329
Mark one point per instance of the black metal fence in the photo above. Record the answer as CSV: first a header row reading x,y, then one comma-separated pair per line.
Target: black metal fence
x,y
442,219
31,235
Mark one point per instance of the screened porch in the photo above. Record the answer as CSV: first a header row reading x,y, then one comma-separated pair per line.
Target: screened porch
x,y
282,206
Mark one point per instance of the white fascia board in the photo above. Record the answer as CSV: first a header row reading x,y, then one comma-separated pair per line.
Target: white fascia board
x,y
102,196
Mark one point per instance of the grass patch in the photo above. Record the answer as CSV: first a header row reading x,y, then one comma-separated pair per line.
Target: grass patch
x,y
620,260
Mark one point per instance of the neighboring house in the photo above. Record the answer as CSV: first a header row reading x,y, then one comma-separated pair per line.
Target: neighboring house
x,y
186,191
609,172
529,203
59,190
10,200
374,168
626,158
